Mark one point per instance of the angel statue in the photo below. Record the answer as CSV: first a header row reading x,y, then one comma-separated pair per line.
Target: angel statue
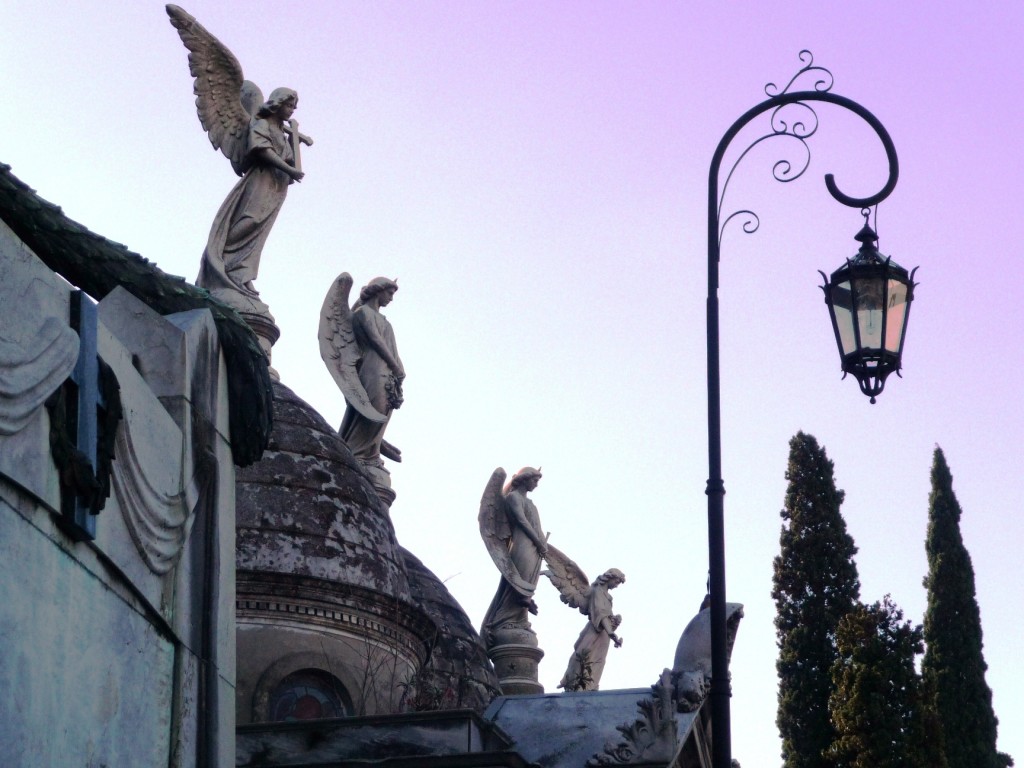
x,y
262,142
358,346
511,530
595,602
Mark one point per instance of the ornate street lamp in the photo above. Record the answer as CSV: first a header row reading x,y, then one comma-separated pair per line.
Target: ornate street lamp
x,y
869,297
869,301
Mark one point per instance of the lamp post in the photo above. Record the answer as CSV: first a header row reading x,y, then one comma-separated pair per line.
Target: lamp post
x,y
868,298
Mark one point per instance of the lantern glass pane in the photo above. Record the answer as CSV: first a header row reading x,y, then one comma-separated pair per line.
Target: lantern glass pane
x,y
869,301
897,315
842,304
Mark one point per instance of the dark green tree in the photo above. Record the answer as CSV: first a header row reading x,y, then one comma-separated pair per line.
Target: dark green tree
x,y
814,586
879,705
953,663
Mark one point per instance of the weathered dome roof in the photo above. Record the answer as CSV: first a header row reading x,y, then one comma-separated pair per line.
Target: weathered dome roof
x,y
459,667
306,509
311,531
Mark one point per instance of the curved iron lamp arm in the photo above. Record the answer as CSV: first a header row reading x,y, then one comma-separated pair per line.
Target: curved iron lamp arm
x,y
720,684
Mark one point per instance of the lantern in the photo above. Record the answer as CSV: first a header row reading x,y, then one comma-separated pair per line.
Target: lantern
x,y
869,301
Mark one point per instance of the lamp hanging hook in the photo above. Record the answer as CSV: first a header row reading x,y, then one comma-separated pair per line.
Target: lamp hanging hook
x,y
866,212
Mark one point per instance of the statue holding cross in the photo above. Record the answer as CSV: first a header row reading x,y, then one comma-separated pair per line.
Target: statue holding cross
x,y
262,141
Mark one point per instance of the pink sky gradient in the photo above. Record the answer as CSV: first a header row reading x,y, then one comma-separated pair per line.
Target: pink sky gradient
x,y
535,176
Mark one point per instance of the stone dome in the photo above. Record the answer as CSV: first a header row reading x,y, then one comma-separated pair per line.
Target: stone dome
x,y
306,509
458,674
327,602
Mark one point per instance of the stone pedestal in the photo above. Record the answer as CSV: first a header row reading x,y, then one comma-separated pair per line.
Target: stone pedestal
x,y
257,316
380,478
267,333
516,666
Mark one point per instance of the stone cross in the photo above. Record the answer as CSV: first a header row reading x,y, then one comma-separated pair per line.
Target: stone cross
x,y
84,402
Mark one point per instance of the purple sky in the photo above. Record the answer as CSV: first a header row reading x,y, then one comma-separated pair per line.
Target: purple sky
x,y
535,175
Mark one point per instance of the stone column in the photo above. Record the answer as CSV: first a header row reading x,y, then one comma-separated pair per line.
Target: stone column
x,y
513,651
267,333
517,668
257,316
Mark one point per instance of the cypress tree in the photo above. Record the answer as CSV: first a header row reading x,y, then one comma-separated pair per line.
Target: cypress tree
x,y
879,705
814,586
953,663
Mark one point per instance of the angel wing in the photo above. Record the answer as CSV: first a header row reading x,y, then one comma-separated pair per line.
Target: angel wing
x,y
339,348
225,101
497,533
568,579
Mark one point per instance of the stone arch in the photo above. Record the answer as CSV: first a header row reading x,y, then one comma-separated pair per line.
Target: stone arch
x,y
308,694
294,669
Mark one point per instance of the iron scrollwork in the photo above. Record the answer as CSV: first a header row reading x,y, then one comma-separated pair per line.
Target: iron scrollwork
x,y
793,117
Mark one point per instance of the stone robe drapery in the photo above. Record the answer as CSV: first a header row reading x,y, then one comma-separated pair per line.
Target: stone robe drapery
x,y
592,642
362,436
510,606
243,223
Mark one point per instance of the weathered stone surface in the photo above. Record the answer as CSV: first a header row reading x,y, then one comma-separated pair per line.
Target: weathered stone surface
x,y
565,730
517,666
85,678
152,519
99,266
322,583
114,651
458,673
307,509
368,653
158,346
32,366
691,669
334,742
24,423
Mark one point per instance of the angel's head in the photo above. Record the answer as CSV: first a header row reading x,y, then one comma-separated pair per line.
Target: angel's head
x,y
279,99
527,478
384,287
611,578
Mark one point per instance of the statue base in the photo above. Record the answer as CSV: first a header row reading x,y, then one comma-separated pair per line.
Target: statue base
x,y
380,479
267,334
257,316
517,668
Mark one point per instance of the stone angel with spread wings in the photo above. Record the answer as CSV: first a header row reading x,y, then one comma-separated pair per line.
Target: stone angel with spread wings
x,y
594,601
262,142
358,347
511,529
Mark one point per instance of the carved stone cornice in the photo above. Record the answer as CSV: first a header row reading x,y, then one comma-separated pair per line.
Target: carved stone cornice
x,y
270,596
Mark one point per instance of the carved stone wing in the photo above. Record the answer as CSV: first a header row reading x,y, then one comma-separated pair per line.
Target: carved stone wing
x,y
496,532
219,88
251,97
568,579
339,348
